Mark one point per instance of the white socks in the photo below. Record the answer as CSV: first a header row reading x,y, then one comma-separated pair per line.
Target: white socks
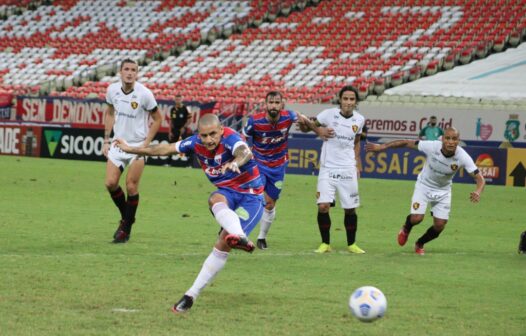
x,y
266,222
228,219
212,265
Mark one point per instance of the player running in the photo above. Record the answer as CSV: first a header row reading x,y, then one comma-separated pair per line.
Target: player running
x,y
433,186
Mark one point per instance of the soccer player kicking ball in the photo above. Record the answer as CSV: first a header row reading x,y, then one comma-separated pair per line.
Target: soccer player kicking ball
x,y
433,185
228,164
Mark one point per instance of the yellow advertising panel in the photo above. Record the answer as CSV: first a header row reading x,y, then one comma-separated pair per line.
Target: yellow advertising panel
x,y
516,167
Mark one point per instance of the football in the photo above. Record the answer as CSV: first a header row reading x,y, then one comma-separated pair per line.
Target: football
x,y
368,303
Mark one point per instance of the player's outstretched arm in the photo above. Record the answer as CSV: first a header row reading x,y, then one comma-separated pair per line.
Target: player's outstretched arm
x,y
151,150
373,147
306,125
474,196
242,155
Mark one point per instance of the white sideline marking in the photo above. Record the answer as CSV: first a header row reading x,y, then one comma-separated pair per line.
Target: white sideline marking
x,y
125,310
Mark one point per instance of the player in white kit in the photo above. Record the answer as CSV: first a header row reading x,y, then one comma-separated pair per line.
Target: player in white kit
x,y
130,105
339,167
433,186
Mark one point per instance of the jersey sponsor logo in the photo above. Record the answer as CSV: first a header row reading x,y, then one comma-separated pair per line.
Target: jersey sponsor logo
x,y
134,105
454,167
341,177
343,137
354,128
218,159
242,213
416,205
273,140
214,172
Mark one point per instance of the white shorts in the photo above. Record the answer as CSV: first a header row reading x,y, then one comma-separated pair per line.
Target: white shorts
x,y
122,159
438,199
345,181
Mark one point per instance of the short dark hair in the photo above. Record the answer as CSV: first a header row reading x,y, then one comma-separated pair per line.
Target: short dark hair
x,y
273,94
433,117
345,89
128,60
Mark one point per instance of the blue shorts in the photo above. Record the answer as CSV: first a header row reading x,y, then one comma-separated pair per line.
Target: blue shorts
x,y
249,208
273,180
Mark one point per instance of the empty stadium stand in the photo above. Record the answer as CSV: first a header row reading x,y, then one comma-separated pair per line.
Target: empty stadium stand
x,y
234,51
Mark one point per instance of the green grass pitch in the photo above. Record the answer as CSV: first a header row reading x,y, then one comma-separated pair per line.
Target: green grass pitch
x,y
61,276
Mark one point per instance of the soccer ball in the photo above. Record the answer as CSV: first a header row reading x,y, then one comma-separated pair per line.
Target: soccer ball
x,y
368,303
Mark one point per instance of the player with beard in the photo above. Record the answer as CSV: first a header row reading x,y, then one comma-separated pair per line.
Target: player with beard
x,y
433,186
269,130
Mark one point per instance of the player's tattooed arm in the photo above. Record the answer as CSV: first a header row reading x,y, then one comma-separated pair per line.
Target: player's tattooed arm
x,y
322,131
373,147
161,149
242,154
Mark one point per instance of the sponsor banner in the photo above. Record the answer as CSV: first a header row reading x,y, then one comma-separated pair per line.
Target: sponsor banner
x,y
399,163
71,143
86,144
516,172
304,156
407,121
89,113
20,140
491,163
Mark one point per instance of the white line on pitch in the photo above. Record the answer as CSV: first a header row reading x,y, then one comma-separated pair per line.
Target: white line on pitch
x,y
125,310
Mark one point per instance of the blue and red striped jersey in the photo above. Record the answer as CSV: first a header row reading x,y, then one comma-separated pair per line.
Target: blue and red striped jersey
x,y
247,182
270,141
